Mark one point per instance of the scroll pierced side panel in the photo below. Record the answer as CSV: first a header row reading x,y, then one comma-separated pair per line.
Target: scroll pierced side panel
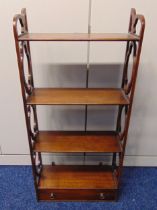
x,y
27,85
133,51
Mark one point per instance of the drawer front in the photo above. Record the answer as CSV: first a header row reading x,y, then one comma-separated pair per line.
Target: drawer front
x,y
60,195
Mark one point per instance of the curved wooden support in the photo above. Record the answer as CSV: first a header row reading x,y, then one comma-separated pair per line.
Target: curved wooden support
x,y
119,124
129,84
133,48
27,85
38,166
23,50
33,129
126,63
134,19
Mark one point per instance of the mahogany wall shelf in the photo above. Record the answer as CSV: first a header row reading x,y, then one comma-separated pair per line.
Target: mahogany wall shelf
x,y
66,182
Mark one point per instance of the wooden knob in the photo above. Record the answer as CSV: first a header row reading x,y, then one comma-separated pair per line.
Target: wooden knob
x,y
52,196
102,196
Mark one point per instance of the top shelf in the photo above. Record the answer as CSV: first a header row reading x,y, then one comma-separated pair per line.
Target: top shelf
x,y
78,37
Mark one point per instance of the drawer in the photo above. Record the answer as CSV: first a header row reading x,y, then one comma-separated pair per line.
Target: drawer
x,y
78,194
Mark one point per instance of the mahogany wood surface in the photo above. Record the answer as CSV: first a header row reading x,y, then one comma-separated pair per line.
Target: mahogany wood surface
x,y
77,96
77,195
77,177
78,37
77,141
78,182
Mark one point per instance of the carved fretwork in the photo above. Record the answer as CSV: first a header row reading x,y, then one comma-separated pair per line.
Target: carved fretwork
x,y
27,85
127,57
120,131
28,82
33,132
128,84
38,165
33,129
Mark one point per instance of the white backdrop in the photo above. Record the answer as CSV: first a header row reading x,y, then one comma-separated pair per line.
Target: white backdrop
x,y
64,64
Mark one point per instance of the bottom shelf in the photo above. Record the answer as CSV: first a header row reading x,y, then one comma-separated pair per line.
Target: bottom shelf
x,y
77,183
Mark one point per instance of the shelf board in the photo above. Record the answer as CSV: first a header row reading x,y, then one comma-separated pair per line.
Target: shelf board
x,y
77,141
78,37
77,96
77,177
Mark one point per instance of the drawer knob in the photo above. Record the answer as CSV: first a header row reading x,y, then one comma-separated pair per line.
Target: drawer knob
x,y
52,196
102,196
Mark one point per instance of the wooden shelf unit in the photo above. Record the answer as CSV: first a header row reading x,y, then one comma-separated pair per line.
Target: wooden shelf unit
x,y
68,182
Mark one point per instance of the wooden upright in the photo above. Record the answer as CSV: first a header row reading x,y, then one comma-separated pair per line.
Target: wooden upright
x,y
83,182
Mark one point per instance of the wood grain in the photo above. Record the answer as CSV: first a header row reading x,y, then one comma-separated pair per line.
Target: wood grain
x,y
77,141
77,177
78,37
77,96
77,195
77,182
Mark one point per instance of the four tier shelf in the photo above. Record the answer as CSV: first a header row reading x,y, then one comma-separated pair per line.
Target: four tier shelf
x,y
78,182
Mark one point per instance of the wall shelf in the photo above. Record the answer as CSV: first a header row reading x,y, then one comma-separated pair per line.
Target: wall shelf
x,y
83,182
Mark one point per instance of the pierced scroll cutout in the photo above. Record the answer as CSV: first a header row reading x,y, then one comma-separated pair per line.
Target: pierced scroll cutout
x,y
128,82
122,124
28,84
23,50
26,78
133,48
32,122
33,132
38,165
